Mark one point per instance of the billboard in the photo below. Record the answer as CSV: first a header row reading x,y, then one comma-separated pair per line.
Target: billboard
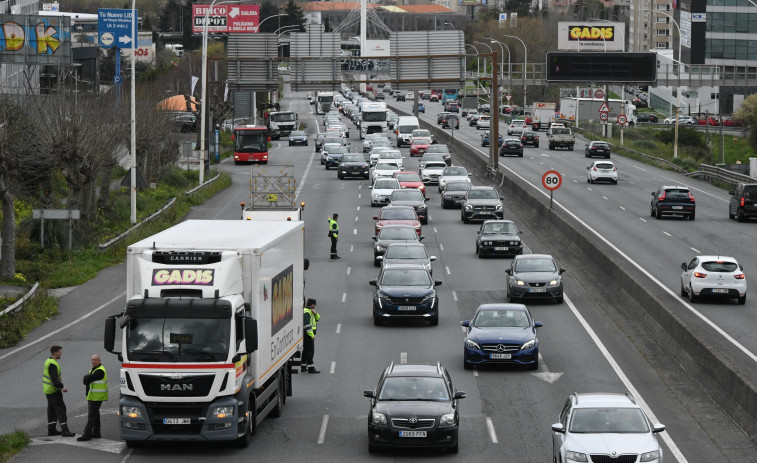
x,y
374,48
471,2
35,39
226,18
590,36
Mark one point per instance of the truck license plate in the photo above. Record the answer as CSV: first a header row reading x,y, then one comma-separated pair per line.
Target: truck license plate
x,y
500,356
538,290
407,308
412,433
177,421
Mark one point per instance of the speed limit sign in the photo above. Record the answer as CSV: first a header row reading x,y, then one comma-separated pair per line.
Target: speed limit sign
x,y
604,117
622,119
551,180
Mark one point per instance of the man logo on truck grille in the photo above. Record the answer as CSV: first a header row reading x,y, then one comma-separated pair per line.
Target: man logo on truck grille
x,y
283,299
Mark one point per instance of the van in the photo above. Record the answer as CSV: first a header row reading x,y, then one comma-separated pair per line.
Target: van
x,y
405,126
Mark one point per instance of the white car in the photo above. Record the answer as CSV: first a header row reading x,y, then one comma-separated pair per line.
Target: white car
x,y
517,126
369,139
453,174
383,169
602,171
392,156
471,113
483,122
687,120
431,171
374,154
713,276
421,133
382,189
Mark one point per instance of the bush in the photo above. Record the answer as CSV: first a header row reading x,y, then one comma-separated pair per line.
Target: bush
x,y
686,162
645,146
175,178
686,136
37,309
11,444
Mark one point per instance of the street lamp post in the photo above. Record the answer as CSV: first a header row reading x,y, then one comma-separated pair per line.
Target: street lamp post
x,y
491,102
297,26
502,47
478,67
450,24
525,68
269,17
133,192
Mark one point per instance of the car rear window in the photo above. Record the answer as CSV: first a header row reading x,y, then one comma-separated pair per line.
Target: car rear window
x,y
398,214
604,165
750,192
408,178
512,142
720,266
677,193
406,252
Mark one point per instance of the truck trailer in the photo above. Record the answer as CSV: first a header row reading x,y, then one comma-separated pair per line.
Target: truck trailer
x,y
211,332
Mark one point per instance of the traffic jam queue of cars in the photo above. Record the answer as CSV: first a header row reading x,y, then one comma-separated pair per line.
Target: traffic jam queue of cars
x,y
417,405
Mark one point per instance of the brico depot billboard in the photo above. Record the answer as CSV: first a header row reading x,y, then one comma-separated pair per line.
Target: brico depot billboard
x,y
226,18
590,36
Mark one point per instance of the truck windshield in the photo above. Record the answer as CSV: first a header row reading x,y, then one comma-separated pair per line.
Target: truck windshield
x,y
379,116
247,141
178,339
283,117
325,99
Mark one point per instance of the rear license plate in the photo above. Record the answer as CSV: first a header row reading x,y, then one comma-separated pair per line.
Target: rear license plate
x,y
677,207
412,433
500,356
538,290
500,248
406,308
720,291
177,421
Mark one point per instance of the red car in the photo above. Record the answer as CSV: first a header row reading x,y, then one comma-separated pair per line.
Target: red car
x,y
419,146
409,179
397,215
732,123
710,121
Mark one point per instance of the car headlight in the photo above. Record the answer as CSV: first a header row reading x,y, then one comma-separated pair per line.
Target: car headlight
x,y
447,420
131,412
528,345
380,248
514,243
650,456
223,412
499,207
422,208
520,283
376,196
472,344
430,297
378,418
552,283
576,456
468,206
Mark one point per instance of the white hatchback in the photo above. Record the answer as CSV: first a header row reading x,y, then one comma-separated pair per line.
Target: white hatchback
x,y
717,276
602,171
517,126
383,169
483,122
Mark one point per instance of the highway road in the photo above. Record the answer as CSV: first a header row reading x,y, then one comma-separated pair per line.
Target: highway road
x,y
586,344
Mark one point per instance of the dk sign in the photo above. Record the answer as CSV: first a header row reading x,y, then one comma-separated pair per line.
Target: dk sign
x,y
225,18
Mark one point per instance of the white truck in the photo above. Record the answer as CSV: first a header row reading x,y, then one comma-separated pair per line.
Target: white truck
x,y
541,115
588,109
211,330
323,102
373,118
281,123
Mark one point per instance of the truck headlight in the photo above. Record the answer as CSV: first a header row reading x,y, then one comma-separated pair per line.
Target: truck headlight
x,y
378,418
223,412
131,412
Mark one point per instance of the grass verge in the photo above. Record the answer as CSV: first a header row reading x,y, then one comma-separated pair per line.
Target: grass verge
x,y
36,310
11,444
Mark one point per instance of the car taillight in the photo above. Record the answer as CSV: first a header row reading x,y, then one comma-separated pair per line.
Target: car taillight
x,y
521,145
742,201
592,149
594,168
700,275
691,197
662,196
614,169
740,276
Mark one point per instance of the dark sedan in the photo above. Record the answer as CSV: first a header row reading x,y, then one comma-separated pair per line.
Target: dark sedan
x,y
530,138
298,137
353,165
454,194
648,118
534,276
411,197
400,97
597,148
673,200
405,291
498,238
440,149
393,234
414,406
481,203
511,147
501,334
485,139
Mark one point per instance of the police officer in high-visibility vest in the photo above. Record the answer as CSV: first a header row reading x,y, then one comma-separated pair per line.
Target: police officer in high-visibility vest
x,y
52,385
334,234
96,382
310,321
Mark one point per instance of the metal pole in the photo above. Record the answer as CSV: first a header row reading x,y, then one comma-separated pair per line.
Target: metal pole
x,y
133,189
494,129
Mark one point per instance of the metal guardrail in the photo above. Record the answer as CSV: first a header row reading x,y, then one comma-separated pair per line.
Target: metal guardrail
x,y
724,175
19,303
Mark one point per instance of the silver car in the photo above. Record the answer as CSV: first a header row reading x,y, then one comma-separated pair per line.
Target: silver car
x,y
453,174
407,253
382,189
431,171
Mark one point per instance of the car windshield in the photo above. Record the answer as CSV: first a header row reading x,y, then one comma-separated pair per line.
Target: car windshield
x,y
604,165
414,388
407,195
421,141
421,133
384,166
398,214
251,141
397,233
501,318
408,178
501,227
482,194
390,155
720,266
435,165
332,140
438,149
405,252
337,150
297,133
180,339
353,158
608,420
455,172
387,184
457,186
405,277
535,264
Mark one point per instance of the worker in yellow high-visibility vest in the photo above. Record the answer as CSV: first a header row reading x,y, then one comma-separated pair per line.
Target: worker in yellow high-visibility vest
x,y
334,234
52,386
96,382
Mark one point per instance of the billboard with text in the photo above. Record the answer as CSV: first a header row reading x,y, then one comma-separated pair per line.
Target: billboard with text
x,y
225,18
590,36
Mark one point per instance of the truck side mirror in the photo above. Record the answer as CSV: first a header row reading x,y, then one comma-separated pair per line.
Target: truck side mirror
x,y
109,336
250,335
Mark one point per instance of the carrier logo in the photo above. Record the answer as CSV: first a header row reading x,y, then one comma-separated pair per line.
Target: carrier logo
x,y
185,276
176,387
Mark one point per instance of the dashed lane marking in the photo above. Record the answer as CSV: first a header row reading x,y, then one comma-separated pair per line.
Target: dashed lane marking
x,y
333,368
667,233
492,432
338,328
403,358
344,297
324,425
454,296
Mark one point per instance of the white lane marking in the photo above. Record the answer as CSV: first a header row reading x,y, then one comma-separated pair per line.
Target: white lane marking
x,y
541,163
103,445
695,250
83,317
492,433
352,248
435,230
403,357
622,207
324,425
462,328
545,155
304,176
333,368
447,269
575,181
338,328
359,196
475,373
358,208
127,456
356,217
441,247
624,379
354,231
360,187
667,233
454,296
349,269
605,197
589,189
544,373
642,219
344,297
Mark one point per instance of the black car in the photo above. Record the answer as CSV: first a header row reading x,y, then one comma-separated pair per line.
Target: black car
x,y
672,200
440,149
405,291
530,138
648,117
318,141
451,120
743,203
454,194
481,203
400,97
453,107
411,197
298,137
334,157
393,234
511,147
597,148
534,276
414,406
440,117
353,165
498,238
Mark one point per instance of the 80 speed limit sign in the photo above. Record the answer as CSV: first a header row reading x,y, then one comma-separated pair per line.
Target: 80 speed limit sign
x,y
551,180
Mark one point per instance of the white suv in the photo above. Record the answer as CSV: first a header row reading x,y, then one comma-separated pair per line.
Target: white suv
x,y
517,126
717,276
604,427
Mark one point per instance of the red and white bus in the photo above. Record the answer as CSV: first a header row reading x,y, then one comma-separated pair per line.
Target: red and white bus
x,y
250,144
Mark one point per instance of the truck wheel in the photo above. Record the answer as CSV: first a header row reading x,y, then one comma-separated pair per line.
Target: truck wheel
x,y
570,147
279,408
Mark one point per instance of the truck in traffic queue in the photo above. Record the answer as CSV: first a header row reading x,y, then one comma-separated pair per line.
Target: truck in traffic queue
x,y
250,144
323,102
542,114
273,194
281,123
373,118
588,109
210,334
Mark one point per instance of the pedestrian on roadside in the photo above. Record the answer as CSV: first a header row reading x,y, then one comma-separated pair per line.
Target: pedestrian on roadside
x,y
310,321
96,382
52,385
334,234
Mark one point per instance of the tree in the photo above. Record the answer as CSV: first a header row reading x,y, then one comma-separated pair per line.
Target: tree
x,y
268,9
296,17
748,113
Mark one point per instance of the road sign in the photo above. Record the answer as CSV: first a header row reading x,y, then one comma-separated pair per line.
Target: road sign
x,y
604,117
551,180
114,27
226,18
116,80
603,108
599,94
622,119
